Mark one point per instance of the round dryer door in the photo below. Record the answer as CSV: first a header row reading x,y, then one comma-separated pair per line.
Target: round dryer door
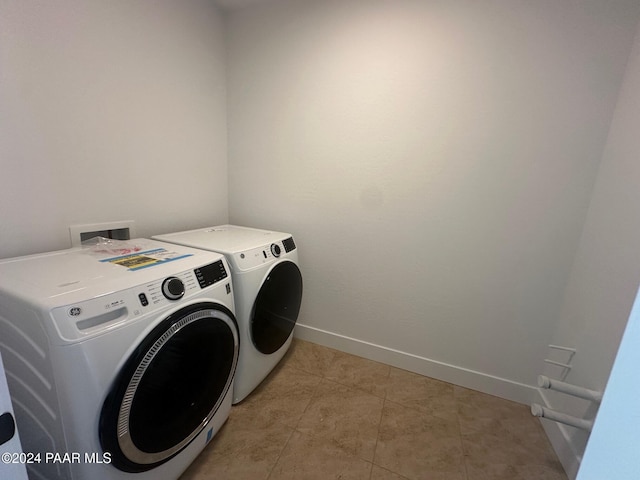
x,y
276,308
170,387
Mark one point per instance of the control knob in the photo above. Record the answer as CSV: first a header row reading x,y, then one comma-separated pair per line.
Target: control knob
x,y
275,249
173,288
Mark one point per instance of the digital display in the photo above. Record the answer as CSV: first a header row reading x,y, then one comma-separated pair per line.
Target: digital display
x,y
210,274
289,244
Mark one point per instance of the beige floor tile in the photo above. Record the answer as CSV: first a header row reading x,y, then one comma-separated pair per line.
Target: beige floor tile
x,y
311,458
427,395
225,467
483,449
358,372
309,357
379,473
316,417
239,451
479,412
347,418
513,472
241,436
418,446
502,439
280,399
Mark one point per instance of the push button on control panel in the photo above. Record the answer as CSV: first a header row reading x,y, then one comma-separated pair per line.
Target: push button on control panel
x,y
143,299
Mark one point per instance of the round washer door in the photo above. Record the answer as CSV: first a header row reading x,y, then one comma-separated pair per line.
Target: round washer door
x,y
276,308
170,387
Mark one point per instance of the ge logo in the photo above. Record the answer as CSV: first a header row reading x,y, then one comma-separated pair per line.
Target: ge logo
x,y
75,311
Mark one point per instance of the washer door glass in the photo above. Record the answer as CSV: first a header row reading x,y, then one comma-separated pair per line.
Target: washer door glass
x,y
170,387
276,308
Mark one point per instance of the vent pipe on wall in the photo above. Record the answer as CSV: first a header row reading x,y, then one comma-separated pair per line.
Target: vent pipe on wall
x,y
543,412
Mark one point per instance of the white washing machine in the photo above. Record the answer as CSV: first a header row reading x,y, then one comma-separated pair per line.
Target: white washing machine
x,y
268,293
120,365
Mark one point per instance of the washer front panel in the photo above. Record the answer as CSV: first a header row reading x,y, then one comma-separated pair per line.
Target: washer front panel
x,y
170,387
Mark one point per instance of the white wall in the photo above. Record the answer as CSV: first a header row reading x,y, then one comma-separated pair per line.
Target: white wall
x,y
434,161
109,111
606,274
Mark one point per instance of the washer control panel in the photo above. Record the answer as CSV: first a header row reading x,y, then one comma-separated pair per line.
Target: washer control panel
x,y
91,317
170,289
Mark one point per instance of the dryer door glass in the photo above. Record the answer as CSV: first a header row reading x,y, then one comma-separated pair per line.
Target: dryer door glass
x,y
276,308
170,387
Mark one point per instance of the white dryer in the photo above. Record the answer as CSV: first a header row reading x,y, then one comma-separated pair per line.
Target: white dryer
x,y
268,293
119,366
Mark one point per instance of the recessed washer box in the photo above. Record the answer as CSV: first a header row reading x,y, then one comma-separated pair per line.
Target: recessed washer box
x,y
121,230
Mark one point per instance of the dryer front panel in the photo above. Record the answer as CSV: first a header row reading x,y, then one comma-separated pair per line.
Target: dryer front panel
x,y
170,387
276,308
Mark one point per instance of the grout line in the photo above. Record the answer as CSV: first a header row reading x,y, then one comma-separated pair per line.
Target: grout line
x,y
280,454
464,455
370,470
375,449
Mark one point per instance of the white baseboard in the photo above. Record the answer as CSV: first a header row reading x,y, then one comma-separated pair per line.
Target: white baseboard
x,y
559,437
482,382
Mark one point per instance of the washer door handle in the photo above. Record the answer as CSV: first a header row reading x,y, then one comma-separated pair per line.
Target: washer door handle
x,y
7,427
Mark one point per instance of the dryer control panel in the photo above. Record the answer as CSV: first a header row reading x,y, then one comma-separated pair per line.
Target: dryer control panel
x,y
256,257
92,317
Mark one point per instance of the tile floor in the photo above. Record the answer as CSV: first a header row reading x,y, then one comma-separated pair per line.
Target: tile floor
x,y
324,414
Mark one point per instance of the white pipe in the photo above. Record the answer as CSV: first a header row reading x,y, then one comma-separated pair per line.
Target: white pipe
x,y
566,349
540,411
581,392
553,362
